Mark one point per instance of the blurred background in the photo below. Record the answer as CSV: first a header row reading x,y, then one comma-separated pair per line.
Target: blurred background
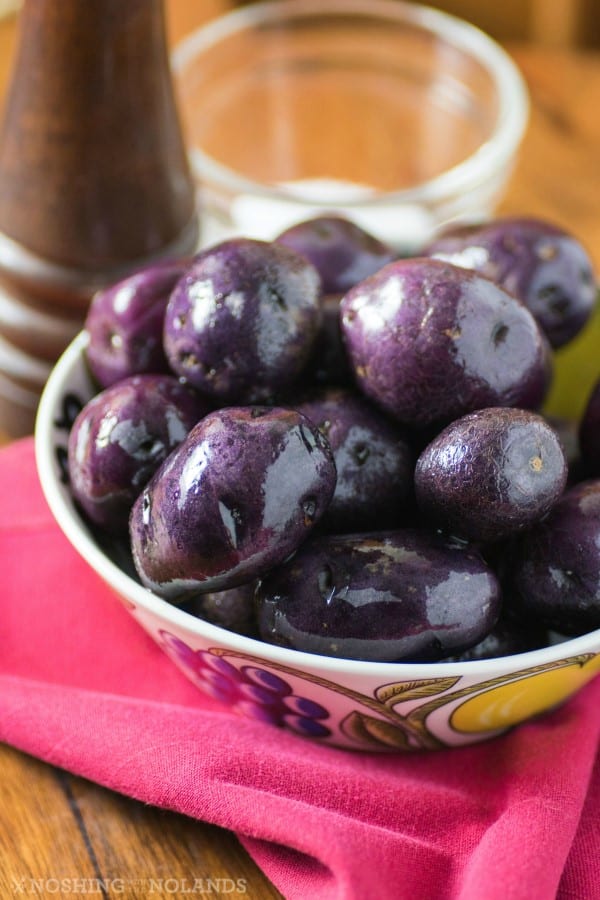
x,y
558,23
552,23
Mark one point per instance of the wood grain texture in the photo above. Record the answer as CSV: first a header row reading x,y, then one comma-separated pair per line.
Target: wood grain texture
x,y
94,176
57,828
557,175
93,168
560,23
39,836
7,49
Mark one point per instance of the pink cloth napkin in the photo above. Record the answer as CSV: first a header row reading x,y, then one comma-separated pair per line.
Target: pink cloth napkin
x,y
84,688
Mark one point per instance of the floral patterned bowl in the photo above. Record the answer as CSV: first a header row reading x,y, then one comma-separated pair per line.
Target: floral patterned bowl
x,y
356,705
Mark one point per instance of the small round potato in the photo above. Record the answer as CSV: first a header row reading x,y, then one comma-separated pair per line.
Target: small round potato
x,y
125,324
589,433
542,265
121,436
372,457
385,596
342,252
240,325
557,568
430,342
235,499
491,474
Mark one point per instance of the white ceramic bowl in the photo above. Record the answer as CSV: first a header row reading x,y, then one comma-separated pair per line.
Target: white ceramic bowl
x,y
356,705
393,114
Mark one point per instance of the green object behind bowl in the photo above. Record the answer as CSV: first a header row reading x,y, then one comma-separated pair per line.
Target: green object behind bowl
x,y
576,370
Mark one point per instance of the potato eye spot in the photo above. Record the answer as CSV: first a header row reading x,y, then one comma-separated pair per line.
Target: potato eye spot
x,y
499,334
361,453
188,360
536,463
146,509
325,582
277,299
150,447
547,251
323,231
309,508
554,296
453,333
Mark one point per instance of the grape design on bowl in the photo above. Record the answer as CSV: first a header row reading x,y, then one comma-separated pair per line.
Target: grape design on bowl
x,y
250,690
409,715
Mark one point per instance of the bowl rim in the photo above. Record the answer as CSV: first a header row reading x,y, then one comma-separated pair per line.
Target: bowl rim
x,y
75,531
490,157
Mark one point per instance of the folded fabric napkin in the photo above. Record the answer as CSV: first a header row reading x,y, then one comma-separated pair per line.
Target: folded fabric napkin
x,y
83,687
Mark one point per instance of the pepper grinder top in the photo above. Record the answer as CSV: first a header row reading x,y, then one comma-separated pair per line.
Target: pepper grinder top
x,y
94,178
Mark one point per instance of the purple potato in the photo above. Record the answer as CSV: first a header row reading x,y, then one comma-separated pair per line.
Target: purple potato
x,y
507,637
341,251
328,364
542,265
121,437
386,596
232,609
491,474
373,461
125,324
556,573
235,499
430,342
589,432
240,325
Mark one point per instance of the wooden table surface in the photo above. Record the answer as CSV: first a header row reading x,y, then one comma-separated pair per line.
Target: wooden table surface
x,y
53,825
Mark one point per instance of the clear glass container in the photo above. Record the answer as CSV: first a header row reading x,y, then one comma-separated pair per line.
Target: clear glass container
x,y
396,115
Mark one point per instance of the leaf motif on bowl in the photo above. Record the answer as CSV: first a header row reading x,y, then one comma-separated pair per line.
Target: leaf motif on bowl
x,y
391,694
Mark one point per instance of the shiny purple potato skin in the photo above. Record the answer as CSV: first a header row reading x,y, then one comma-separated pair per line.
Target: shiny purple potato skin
x,y
125,324
589,433
240,325
342,252
556,574
232,609
119,439
236,498
430,342
542,265
385,596
373,460
507,637
491,474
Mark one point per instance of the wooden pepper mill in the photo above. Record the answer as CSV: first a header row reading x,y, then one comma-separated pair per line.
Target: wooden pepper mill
x,y
94,179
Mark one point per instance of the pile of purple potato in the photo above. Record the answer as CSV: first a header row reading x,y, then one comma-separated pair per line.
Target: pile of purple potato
x,y
317,443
